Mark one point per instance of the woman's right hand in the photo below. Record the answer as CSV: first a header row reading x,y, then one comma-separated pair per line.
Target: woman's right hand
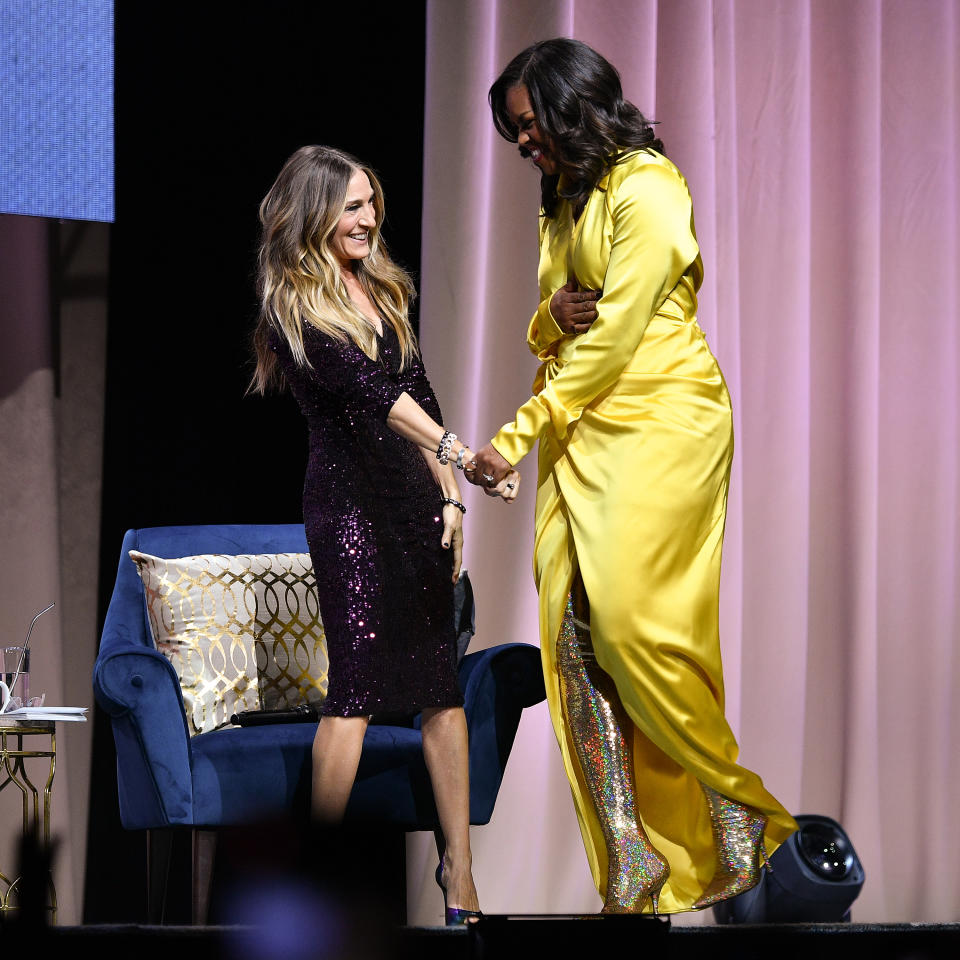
x,y
574,309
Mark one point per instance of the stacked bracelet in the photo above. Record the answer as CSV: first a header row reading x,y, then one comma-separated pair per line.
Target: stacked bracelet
x,y
455,503
446,442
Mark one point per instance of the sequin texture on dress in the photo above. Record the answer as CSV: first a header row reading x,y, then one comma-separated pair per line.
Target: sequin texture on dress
x,y
372,514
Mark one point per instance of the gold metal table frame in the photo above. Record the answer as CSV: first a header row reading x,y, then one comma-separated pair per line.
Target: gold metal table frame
x,y
36,803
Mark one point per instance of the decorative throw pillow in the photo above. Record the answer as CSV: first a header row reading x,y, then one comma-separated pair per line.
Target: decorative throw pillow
x,y
291,646
242,632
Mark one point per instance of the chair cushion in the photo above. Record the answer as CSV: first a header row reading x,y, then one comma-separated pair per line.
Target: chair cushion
x,y
243,631
246,774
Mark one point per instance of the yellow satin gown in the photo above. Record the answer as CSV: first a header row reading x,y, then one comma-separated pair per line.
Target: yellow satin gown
x,y
635,437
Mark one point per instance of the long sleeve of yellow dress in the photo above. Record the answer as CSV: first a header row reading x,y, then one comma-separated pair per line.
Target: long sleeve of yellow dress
x,y
544,333
635,436
651,247
544,330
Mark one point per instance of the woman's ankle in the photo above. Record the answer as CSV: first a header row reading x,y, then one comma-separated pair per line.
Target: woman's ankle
x,y
454,860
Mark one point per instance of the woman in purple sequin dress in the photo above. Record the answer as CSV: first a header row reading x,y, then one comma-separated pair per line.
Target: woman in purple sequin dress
x,y
381,502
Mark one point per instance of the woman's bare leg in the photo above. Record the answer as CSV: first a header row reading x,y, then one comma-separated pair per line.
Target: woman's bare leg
x,y
336,754
445,752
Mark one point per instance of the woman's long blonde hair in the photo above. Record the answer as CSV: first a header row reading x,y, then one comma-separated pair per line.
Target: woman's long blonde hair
x,y
298,276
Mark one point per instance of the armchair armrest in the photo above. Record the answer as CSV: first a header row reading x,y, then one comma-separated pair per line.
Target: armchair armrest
x,y
139,689
497,684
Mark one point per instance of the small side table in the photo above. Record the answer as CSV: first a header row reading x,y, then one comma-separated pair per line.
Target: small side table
x,y
42,735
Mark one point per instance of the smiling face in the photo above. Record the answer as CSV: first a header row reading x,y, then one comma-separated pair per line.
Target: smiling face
x,y
530,138
354,231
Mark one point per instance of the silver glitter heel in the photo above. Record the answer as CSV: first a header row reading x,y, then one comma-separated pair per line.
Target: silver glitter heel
x,y
741,856
636,872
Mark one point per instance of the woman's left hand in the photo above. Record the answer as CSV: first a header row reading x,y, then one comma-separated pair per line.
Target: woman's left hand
x,y
507,489
452,537
490,467
574,309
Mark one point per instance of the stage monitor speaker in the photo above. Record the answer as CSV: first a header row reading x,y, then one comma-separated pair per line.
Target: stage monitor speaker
x,y
815,877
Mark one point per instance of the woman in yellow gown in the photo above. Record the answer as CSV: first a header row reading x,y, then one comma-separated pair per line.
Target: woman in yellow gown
x,y
635,438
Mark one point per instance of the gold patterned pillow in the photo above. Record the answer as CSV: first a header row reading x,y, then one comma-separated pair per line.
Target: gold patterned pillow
x,y
242,632
291,646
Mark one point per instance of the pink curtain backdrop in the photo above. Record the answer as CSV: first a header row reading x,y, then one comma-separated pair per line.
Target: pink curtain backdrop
x,y
820,140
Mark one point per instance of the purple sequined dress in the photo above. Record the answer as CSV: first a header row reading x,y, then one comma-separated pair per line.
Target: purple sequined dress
x,y
371,510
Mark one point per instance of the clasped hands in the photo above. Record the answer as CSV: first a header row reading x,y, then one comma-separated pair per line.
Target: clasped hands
x,y
574,310
488,470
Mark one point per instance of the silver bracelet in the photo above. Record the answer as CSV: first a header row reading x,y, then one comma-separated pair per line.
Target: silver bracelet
x,y
455,503
460,456
446,442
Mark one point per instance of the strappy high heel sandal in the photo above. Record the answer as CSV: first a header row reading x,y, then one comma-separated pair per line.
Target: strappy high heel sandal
x,y
741,857
454,916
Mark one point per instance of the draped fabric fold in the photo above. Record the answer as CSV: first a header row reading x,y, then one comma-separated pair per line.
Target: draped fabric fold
x,y
822,163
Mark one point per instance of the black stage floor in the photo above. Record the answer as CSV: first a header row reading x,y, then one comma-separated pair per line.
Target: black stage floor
x,y
499,937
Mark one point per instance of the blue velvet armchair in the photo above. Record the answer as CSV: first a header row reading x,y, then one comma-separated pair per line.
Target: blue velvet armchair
x,y
168,780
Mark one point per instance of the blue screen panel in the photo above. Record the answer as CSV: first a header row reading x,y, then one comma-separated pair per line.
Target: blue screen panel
x,y
56,108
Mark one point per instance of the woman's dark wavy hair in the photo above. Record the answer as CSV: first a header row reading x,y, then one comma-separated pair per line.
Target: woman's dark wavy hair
x,y
577,99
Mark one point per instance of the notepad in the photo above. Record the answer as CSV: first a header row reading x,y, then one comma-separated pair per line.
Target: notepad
x,y
47,713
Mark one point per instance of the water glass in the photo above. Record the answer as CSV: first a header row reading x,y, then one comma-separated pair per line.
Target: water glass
x,y
11,659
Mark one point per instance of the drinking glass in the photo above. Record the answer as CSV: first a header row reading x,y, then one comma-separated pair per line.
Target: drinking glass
x,y
11,660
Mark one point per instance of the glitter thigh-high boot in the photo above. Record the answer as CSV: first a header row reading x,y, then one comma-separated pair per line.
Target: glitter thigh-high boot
x,y
741,857
596,720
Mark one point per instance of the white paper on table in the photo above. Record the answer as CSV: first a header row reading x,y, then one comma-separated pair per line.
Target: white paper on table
x,y
47,713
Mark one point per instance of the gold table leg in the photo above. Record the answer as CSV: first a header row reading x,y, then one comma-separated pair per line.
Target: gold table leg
x,y
34,803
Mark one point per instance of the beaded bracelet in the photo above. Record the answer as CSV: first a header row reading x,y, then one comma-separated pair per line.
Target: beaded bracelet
x,y
446,442
455,503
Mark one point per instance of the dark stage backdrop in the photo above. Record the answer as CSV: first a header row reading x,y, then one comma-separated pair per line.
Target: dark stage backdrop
x,y
208,106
